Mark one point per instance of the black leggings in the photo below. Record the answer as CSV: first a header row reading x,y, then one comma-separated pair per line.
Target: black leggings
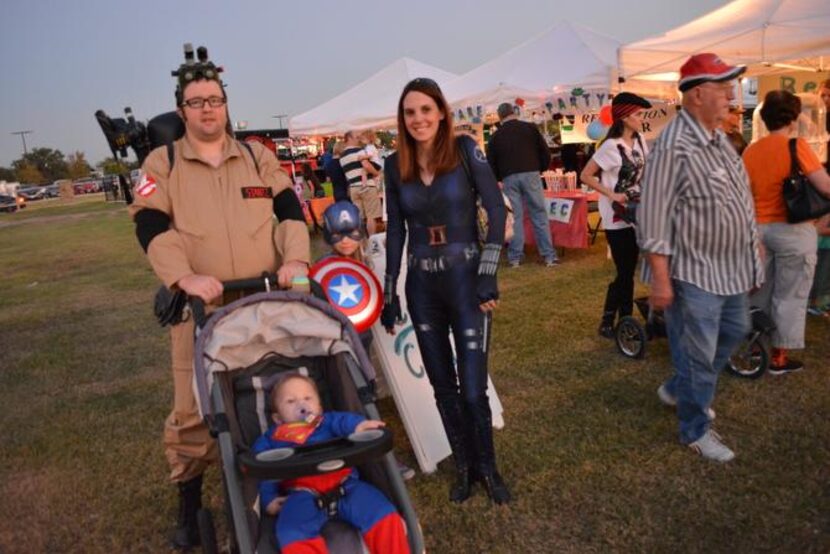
x,y
624,252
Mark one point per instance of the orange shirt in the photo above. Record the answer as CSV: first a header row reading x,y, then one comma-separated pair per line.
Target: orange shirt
x,y
768,164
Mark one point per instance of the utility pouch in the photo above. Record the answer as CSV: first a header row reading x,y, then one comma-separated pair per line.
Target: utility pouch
x,y
169,306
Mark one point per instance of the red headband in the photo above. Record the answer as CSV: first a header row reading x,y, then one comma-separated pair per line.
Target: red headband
x,y
622,110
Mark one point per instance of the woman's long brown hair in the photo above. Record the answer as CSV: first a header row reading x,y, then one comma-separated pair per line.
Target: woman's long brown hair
x,y
444,153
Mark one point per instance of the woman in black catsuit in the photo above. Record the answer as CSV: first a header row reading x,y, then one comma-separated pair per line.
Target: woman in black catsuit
x,y
432,183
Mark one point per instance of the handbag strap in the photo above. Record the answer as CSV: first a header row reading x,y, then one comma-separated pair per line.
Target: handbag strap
x,y
465,163
795,168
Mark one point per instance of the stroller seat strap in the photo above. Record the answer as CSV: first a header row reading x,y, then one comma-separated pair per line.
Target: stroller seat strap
x,y
325,500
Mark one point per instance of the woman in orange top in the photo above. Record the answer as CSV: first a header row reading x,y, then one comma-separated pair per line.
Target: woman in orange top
x,y
790,248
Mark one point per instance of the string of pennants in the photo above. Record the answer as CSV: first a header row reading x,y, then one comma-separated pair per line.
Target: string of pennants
x,y
575,101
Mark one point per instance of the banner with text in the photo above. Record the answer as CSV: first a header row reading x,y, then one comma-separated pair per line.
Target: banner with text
x,y
794,82
574,128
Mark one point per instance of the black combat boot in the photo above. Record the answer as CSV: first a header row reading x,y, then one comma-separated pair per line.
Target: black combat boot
x,y
486,453
453,418
496,488
186,535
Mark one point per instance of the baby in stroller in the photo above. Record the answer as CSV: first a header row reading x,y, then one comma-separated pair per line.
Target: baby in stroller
x,y
306,502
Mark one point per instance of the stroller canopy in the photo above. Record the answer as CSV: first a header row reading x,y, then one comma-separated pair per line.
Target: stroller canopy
x,y
290,324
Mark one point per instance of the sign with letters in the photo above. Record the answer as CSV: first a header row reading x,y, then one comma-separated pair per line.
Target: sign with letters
x,y
794,82
401,364
574,128
559,209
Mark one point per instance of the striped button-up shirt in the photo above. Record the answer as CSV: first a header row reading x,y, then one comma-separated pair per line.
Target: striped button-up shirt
x,y
696,207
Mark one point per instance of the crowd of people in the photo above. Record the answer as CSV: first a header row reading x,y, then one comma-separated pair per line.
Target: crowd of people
x,y
711,224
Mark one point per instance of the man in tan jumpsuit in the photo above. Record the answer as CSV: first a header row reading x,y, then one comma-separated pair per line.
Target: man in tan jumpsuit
x,y
207,219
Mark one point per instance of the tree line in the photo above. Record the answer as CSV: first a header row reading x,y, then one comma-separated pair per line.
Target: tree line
x,y
47,165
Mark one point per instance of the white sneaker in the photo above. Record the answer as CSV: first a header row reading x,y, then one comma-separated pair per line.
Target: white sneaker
x,y
710,446
669,400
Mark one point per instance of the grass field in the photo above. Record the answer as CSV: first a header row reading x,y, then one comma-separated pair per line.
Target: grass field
x,y
590,453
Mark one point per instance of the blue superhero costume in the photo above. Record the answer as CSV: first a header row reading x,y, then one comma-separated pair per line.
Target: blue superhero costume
x,y
362,505
449,274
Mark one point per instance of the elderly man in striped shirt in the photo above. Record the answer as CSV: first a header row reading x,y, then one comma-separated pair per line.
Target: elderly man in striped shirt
x,y
697,227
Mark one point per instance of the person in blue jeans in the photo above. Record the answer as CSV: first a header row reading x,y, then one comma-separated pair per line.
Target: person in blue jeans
x,y
696,224
518,153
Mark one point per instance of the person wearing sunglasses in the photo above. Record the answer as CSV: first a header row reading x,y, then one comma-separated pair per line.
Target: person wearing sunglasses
x,y
432,183
204,213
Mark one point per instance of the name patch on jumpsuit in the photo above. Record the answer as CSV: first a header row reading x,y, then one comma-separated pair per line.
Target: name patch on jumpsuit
x,y
257,192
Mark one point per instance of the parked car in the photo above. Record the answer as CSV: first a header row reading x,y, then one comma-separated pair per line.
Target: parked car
x,y
11,203
32,193
86,187
51,191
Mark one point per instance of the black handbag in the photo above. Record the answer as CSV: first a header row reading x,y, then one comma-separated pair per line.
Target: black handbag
x,y
803,201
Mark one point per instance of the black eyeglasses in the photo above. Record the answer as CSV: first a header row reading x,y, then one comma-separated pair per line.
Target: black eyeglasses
x,y
199,102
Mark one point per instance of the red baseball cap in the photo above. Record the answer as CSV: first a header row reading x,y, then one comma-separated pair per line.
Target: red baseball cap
x,y
706,68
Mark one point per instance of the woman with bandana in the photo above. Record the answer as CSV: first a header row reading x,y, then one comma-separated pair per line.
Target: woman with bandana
x,y
614,171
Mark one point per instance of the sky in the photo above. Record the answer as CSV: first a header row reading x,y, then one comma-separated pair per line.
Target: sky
x,y
61,60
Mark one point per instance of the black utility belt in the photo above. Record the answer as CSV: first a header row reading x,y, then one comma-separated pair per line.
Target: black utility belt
x,y
442,262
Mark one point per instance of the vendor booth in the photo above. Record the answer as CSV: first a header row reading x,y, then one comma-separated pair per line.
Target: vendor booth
x,y
768,36
568,218
563,58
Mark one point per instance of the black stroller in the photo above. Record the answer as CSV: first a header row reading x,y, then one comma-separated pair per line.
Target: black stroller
x,y
241,350
749,361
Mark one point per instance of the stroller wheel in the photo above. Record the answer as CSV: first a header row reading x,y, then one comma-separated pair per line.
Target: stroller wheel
x,y
207,532
631,337
750,360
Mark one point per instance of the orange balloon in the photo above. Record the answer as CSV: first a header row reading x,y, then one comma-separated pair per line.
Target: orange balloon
x,y
605,115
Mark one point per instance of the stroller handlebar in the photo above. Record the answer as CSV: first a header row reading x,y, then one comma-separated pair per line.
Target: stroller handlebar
x,y
264,283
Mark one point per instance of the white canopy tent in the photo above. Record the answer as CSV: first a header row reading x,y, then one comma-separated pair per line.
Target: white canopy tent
x,y
370,104
563,57
765,35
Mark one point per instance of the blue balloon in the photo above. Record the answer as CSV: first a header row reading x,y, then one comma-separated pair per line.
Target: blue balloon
x,y
596,130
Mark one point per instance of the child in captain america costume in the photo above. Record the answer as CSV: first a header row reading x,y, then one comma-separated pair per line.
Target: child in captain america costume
x,y
299,419
343,230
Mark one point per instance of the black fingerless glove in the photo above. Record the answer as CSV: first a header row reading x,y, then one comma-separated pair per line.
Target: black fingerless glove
x,y
391,313
487,287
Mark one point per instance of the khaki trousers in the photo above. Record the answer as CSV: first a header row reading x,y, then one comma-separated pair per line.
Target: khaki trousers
x,y
367,200
187,443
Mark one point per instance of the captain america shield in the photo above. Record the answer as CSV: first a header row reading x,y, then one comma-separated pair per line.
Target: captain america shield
x,y
352,288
